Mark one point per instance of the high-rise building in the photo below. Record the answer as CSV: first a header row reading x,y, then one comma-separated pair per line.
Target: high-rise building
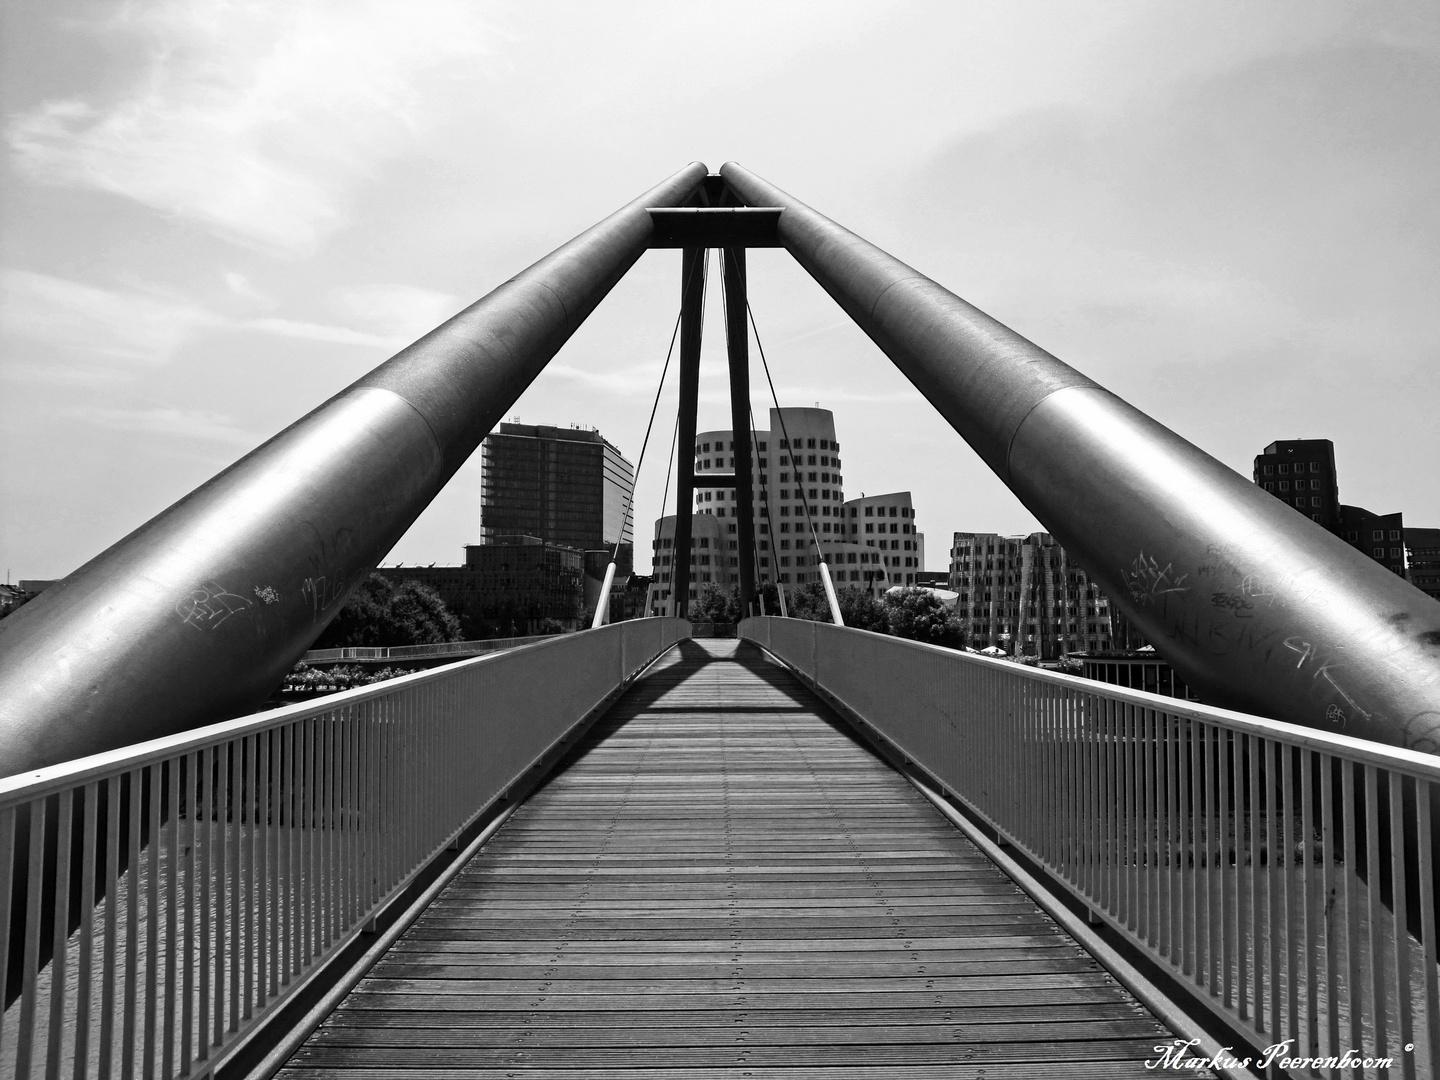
x,y
800,514
887,524
1422,551
566,486
1027,596
1301,473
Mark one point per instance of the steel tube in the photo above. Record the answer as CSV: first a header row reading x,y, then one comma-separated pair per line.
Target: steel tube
x,y
198,614
1259,608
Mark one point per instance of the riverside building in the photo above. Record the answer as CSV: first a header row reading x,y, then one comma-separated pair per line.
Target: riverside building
x,y
1027,596
798,489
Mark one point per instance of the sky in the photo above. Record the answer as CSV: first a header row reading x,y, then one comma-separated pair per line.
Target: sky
x,y
215,214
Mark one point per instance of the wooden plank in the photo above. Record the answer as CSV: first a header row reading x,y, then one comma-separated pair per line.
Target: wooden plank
x,y
722,880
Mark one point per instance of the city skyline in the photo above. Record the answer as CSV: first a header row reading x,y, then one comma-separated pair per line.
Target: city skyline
x,y
215,219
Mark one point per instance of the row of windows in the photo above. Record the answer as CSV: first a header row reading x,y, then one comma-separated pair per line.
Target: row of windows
x,y
823,478
1284,468
720,463
826,460
1299,485
704,448
825,444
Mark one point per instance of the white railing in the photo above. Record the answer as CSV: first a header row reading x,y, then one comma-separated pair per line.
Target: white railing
x,y
1285,875
184,888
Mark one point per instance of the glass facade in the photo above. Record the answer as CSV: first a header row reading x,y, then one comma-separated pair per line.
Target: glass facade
x,y
564,485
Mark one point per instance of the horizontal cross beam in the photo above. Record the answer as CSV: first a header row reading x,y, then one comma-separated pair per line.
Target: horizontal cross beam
x,y
715,226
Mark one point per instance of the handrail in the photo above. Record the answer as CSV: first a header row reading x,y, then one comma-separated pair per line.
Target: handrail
x,y
1285,876
188,886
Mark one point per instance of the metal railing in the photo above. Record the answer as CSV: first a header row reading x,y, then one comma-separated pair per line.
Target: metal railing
x,y
419,652
183,889
1285,875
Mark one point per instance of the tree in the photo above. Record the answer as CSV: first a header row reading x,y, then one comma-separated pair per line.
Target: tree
x,y
861,610
382,613
716,604
808,601
920,615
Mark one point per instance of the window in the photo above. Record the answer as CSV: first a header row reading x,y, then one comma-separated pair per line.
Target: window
x,y
893,511
1394,553
1314,466
1379,553
1269,470
707,448
784,444
1394,534
784,512
813,478
1377,535
1269,486
1315,500
785,561
894,527
810,460
1284,469
1284,485
869,528
814,494
763,447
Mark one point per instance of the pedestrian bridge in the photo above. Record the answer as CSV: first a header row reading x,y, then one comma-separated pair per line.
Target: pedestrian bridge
x,y
813,851
817,851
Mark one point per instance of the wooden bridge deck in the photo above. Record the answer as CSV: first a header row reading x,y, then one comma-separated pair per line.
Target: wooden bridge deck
x,y
721,882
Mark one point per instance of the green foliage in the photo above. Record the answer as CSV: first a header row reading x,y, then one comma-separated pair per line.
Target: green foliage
x,y
857,607
716,604
807,601
920,615
380,612
861,610
339,677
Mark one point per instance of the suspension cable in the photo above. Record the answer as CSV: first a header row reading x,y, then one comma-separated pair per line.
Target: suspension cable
x,y
780,414
625,521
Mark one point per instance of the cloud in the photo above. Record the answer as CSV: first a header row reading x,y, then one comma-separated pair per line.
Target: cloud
x,y
127,325
187,423
399,313
257,120
87,328
308,331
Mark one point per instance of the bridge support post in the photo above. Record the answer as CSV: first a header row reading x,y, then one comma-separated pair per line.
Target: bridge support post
x,y
737,339
692,314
